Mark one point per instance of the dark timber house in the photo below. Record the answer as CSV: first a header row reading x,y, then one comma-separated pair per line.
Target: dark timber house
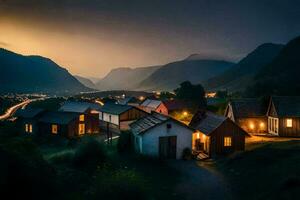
x,y
284,116
249,114
89,114
216,134
67,124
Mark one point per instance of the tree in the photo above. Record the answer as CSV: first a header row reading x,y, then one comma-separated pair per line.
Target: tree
x,y
193,94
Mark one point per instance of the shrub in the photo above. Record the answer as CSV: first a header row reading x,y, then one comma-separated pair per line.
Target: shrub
x,y
124,142
89,155
187,154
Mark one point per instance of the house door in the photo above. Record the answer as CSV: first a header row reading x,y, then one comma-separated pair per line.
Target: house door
x,y
273,125
167,147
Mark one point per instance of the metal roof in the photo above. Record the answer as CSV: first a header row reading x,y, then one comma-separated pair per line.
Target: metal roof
x,y
79,107
59,117
28,112
287,106
207,123
115,109
151,103
150,121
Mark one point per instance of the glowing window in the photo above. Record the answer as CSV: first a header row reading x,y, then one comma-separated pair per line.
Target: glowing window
x,y
81,118
227,141
81,129
289,123
54,129
28,128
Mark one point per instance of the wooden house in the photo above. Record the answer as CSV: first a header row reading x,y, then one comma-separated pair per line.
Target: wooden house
x,y
27,120
173,106
216,134
68,124
249,114
131,101
284,116
150,105
161,136
118,117
90,111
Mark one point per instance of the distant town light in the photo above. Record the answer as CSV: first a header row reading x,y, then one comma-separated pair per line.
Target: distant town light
x,y
99,102
185,113
141,98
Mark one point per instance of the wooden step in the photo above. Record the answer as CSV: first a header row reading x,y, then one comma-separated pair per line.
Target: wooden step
x,y
202,156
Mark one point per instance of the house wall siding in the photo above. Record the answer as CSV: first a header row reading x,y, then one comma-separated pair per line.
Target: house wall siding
x,y
293,131
150,139
244,123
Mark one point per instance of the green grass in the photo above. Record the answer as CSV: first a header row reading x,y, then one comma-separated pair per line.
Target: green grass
x,y
267,171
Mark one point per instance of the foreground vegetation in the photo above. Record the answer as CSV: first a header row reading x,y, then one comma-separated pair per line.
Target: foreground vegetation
x,y
55,168
268,170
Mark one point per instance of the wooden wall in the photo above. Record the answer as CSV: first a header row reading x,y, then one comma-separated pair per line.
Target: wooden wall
x,y
132,114
244,123
289,131
227,129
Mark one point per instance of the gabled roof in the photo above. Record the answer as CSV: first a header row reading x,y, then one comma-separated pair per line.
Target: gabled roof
x,y
79,107
207,122
150,103
59,117
127,100
174,105
28,112
115,109
250,107
150,121
286,106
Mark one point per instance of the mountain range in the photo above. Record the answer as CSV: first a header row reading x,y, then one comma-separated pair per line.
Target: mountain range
x,y
29,74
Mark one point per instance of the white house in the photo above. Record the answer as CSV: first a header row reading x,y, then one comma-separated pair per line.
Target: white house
x,y
161,136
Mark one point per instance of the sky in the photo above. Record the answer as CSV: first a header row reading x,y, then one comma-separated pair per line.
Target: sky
x,y
90,38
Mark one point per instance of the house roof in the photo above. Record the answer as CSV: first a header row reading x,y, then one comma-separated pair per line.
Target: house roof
x,y
28,112
287,106
151,103
207,122
127,100
174,105
115,109
150,121
59,117
250,107
79,107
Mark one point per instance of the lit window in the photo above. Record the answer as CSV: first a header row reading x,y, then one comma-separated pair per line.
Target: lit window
x,y
81,118
227,141
289,123
54,129
28,128
81,129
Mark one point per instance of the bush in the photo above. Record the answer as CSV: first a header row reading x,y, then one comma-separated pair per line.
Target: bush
x,y
89,155
124,142
27,172
187,154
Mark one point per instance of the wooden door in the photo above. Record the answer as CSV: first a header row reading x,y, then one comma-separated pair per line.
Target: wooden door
x,y
167,147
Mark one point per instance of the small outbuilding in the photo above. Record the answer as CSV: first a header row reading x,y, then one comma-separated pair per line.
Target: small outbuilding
x,y
161,136
216,134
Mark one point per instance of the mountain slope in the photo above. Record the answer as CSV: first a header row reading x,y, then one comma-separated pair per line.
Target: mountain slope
x,y
34,74
125,78
241,75
85,81
169,76
281,76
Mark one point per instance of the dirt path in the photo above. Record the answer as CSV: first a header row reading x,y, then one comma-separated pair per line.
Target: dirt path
x,y
198,182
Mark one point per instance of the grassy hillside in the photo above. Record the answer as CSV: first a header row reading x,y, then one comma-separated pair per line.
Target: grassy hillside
x,y
267,170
